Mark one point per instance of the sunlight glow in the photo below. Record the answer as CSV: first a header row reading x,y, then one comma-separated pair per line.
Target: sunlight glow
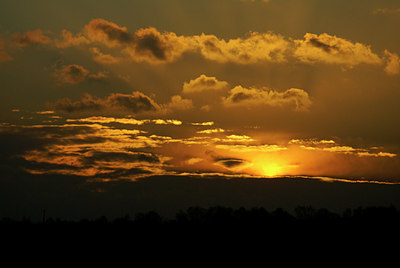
x,y
272,169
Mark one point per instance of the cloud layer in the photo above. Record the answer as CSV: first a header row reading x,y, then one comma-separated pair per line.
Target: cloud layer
x,y
154,47
117,148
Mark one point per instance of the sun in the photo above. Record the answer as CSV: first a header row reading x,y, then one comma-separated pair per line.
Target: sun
x,y
271,170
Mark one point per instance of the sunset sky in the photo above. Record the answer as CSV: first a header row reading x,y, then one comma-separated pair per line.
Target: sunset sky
x,y
100,93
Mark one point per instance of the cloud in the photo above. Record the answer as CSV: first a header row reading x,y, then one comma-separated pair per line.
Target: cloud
x,y
71,74
149,45
392,63
144,45
102,58
211,131
257,47
108,33
203,83
330,49
100,156
210,123
126,121
249,97
3,54
332,146
230,162
68,40
178,103
75,74
92,150
136,102
382,11
30,38
243,148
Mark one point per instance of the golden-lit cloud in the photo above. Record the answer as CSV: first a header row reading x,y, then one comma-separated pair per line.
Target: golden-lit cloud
x,y
257,47
393,63
203,124
203,83
68,39
108,33
210,131
144,45
250,97
107,120
250,148
98,148
30,38
126,121
102,58
177,103
151,46
332,146
331,49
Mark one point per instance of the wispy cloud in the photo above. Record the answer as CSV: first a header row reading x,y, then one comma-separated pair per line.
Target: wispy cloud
x,y
382,11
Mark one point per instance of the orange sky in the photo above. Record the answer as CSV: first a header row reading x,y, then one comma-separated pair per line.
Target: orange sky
x,y
189,88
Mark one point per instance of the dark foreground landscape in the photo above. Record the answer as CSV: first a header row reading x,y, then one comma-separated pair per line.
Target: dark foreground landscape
x,y
214,222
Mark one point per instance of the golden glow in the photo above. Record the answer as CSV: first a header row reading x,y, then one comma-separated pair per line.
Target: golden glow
x,y
272,169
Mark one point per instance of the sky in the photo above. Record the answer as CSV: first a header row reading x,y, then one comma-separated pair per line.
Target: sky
x,y
98,97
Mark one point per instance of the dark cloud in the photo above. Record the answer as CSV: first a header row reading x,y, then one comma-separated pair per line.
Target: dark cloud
x,y
149,45
149,40
71,74
87,103
123,173
122,157
144,45
240,96
136,102
326,47
230,162
75,74
109,33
